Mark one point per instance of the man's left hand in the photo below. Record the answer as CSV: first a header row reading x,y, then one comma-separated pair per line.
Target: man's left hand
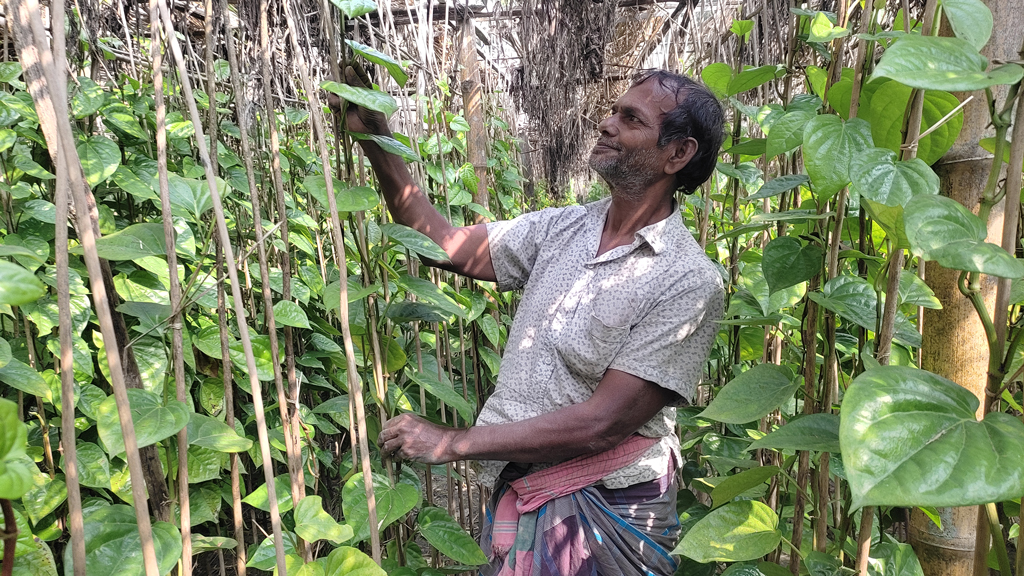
x,y
409,437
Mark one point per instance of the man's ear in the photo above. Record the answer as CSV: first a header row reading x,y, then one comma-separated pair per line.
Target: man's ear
x,y
682,152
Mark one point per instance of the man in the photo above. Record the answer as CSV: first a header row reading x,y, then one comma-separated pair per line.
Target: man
x,y
616,321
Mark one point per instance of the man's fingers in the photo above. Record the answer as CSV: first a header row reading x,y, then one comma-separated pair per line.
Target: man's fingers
x,y
354,78
361,72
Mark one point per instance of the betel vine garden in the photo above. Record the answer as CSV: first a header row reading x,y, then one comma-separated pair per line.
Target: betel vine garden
x,y
202,293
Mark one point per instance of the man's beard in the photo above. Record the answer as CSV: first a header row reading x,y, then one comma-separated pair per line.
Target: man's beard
x,y
628,173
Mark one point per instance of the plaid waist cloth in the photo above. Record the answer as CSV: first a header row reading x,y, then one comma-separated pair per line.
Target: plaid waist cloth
x,y
557,522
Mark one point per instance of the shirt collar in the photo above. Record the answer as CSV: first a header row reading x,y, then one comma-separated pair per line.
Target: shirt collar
x,y
658,236
661,234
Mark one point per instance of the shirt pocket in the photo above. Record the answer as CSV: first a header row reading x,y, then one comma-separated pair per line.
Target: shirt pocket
x,y
589,348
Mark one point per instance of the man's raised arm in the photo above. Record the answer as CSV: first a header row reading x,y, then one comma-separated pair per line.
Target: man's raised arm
x,y
466,246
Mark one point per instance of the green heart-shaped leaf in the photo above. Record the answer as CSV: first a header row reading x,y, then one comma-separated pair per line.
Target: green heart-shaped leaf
x,y
744,530
777,186
213,434
393,502
365,97
829,143
819,432
445,534
135,241
912,438
754,77
312,523
786,262
787,133
112,544
18,286
153,421
288,313
877,175
752,394
855,300
414,241
716,77
941,63
259,498
971,21
100,158
21,376
733,486
349,561
396,70
943,230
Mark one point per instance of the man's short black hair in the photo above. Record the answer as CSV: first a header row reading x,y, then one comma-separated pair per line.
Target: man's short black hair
x,y
697,115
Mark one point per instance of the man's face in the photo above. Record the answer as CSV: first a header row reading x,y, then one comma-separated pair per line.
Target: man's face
x,y
627,155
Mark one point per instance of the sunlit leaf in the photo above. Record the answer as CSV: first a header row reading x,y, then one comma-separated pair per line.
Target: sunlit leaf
x,y
213,434
393,502
451,539
100,157
312,523
153,420
911,438
942,63
744,530
18,286
829,143
752,394
112,544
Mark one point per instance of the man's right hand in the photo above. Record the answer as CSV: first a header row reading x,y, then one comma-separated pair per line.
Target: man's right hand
x,y
357,118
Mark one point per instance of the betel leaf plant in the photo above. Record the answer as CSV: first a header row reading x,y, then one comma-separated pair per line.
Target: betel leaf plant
x,y
824,281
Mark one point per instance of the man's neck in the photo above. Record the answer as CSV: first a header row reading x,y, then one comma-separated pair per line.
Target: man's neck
x,y
628,214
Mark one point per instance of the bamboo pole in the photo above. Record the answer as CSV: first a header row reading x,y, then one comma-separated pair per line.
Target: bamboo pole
x,y
62,196
236,292
229,416
286,404
337,236
282,213
50,98
174,289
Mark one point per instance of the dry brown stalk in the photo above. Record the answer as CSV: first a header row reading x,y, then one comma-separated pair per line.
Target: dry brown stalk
x,y
62,196
286,405
337,236
243,329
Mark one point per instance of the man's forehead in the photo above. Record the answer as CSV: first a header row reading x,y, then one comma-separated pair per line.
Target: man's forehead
x,y
649,96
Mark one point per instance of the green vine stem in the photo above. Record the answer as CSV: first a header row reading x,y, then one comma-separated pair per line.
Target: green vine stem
x,y
997,538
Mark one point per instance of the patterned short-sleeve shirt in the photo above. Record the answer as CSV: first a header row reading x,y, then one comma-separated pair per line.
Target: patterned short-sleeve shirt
x,y
649,309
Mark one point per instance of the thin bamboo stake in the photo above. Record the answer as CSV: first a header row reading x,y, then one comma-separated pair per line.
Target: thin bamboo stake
x,y
236,292
177,346
50,97
62,196
229,414
285,404
355,386
282,214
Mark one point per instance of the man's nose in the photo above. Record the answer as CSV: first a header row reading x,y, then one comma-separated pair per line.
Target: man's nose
x,y
606,126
